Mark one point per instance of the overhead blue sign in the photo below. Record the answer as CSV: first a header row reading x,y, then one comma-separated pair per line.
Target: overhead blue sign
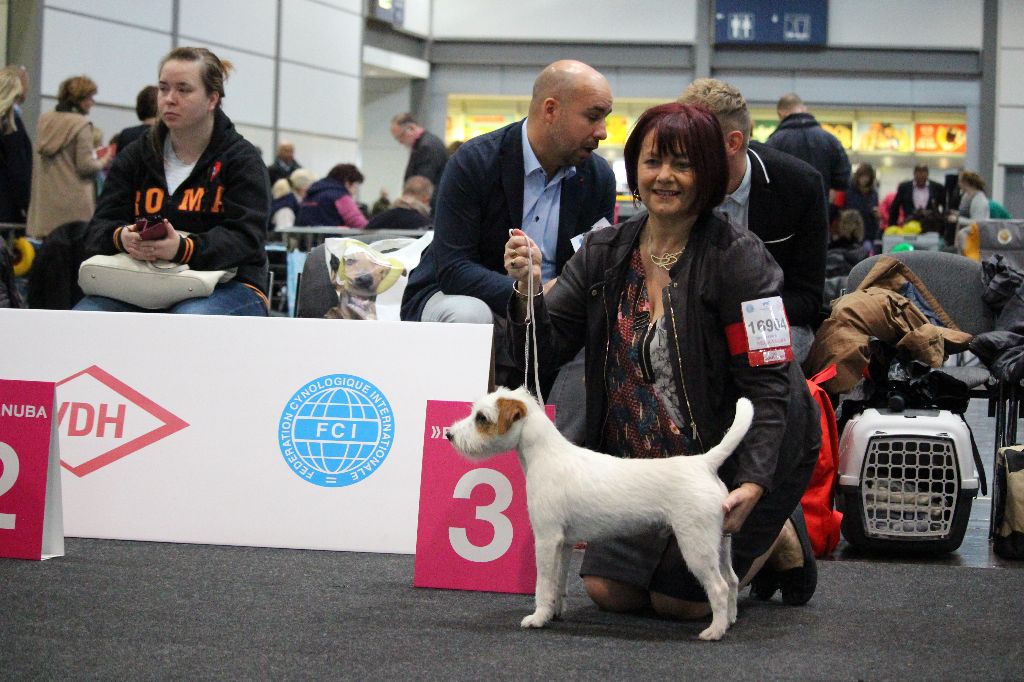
x,y
771,22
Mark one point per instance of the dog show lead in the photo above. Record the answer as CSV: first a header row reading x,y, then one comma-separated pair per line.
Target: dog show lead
x,y
194,172
681,315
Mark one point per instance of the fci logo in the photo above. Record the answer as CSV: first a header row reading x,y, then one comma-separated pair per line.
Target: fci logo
x,y
101,419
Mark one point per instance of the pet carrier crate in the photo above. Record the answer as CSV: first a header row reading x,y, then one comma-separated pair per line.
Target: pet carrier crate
x,y
906,480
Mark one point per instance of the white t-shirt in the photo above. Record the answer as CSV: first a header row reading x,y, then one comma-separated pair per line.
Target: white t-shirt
x,y
176,171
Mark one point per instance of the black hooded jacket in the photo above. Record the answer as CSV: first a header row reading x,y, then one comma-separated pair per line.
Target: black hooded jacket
x,y
224,203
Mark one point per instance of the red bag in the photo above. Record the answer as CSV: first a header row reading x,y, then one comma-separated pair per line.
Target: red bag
x,y
818,501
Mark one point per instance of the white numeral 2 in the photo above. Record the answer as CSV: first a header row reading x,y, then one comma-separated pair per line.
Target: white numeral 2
x,y
9,460
491,513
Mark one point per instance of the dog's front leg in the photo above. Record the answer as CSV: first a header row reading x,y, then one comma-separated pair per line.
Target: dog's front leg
x,y
546,595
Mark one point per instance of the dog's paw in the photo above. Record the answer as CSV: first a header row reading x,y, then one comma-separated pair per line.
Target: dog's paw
x,y
713,633
535,620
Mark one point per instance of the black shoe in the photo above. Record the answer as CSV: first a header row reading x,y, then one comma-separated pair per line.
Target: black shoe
x,y
797,584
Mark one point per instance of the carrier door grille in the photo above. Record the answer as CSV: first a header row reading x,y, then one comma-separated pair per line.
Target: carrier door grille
x,y
909,487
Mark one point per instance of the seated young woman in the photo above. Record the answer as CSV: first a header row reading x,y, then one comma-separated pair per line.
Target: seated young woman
x,y
203,180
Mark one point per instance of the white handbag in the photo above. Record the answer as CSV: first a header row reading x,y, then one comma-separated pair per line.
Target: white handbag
x,y
152,285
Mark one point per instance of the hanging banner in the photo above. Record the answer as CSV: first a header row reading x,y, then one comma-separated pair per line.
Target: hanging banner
x,y
940,138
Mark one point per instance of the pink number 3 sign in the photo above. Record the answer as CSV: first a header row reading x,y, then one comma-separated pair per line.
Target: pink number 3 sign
x,y
474,528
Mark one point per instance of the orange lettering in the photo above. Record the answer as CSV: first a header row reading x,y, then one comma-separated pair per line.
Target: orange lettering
x,y
154,199
218,205
192,199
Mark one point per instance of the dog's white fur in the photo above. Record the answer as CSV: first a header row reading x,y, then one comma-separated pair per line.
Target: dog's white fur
x,y
574,494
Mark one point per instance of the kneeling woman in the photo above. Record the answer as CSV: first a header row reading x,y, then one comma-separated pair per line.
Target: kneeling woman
x,y
203,178
660,303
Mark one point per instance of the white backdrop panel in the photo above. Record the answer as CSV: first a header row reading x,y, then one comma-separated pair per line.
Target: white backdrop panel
x,y
119,58
318,101
244,24
644,21
263,138
918,24
417,17
354,6
318,35
1011,23
1009,142
320,154
249,89
154,14
222,478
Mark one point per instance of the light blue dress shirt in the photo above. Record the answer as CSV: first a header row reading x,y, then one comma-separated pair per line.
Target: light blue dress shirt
x,y
542,201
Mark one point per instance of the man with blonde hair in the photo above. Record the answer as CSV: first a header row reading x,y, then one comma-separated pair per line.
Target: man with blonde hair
x,y
781,199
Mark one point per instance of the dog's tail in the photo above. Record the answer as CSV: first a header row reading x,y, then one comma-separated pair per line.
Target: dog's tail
x,y
740,424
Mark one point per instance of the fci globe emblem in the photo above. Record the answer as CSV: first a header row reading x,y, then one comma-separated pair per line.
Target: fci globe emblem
x,y
336,430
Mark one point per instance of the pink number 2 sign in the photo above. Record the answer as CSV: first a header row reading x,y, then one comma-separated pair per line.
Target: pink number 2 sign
x,y
31,523
474,528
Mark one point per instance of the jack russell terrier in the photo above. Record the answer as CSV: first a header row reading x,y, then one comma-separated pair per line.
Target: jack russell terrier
x,y
574,494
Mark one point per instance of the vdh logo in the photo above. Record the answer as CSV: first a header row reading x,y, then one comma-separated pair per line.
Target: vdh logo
x,y
336,430
101,419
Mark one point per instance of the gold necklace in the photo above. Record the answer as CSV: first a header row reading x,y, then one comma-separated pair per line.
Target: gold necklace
x,y
666,260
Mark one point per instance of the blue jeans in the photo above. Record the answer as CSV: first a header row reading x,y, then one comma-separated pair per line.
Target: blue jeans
x,y
230,298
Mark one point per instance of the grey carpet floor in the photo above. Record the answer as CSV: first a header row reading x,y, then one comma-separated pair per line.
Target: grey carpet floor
x,y
133,610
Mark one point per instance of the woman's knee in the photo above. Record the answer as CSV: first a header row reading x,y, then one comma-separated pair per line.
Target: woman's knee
x,y
679,609
615,596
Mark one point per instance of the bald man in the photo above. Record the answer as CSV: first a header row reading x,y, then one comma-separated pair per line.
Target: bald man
x,y
540,174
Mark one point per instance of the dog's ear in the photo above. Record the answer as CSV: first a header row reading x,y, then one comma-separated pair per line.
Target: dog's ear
x,y
509,412
334,273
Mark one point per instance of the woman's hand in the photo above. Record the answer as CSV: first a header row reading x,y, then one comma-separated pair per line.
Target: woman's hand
x,y
518,264
151,249
738,504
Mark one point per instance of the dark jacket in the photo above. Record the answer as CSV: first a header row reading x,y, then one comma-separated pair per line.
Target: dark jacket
x,y
15,173
480,200
803,137
54,281
865,204
722,267
428,158
905,200
129,135
318,207
788,211
399,218
278,170
224,203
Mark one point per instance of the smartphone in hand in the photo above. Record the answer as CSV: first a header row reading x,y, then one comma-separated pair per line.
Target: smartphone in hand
x,y
154,228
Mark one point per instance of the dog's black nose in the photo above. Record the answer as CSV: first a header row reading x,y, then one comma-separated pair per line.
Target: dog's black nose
x,y
448,434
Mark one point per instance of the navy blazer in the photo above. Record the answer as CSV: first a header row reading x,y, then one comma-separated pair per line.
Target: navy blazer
x,y
479,201
905,200
788,211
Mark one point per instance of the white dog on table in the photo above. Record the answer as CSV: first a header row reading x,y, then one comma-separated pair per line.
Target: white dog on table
x,y
574,494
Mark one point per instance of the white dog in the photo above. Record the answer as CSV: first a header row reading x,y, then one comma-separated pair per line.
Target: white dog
x,y
575,494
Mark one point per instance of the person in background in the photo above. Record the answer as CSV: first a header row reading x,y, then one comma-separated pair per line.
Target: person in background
x,y
779,198
15,150
411,211
658,303
863,198
65,165
801,135
284,163
287,195
916,197
331,200
200,176
847,245
145,109
974,203
427,153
